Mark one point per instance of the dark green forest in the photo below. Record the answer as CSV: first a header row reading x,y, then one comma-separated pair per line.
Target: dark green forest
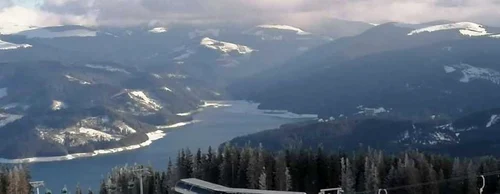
x,y
306,170
310,170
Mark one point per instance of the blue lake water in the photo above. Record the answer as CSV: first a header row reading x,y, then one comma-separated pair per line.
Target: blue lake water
x,y
217,126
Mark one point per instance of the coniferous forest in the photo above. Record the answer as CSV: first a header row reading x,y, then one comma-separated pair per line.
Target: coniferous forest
x,y
309,170
306,170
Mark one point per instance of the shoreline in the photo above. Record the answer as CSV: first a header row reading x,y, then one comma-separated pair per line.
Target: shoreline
x,y
152,136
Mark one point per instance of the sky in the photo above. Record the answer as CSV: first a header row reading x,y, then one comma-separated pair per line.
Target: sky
x,y
132,12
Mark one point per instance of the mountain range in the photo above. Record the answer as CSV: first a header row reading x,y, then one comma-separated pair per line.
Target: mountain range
x,y
75,89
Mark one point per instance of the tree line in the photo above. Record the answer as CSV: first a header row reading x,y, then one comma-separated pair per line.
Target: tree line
x,y
309,170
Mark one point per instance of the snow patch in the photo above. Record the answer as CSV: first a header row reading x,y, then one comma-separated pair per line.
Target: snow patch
x,y
465,28
176,125
214,104
225,47
167,89
285,27
124,128
142,98
371,111
8,118
73,79
176,76
158,30
11,46
3,92
449,69
156,76
438,136
495,36
473,73
106,68
186,55
493,120
57,105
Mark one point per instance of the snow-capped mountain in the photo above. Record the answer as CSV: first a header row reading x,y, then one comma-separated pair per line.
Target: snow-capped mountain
x,y
298,31
225,47
464,28
59,32
430,70
10,46
158,30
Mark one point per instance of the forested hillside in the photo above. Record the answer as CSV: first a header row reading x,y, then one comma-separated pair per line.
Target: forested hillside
x,y
309,170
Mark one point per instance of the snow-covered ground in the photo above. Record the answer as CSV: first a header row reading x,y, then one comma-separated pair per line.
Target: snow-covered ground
x,y
495,36
285,27
57,105
11,46
473,73
106,68
493,120
141,98
176,125
185,55
8,118
73,79
371,111
152,136
225,47
465,28
158,30
47,33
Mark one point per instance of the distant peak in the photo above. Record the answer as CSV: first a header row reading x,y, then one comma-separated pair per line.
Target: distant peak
x,y
158,30
465,28
284,27
225,47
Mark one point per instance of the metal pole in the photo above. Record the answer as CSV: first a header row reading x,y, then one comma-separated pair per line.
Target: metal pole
x,y
37,185
140,184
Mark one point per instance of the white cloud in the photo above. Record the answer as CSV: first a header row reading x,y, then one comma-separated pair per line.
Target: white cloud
x,y
123,12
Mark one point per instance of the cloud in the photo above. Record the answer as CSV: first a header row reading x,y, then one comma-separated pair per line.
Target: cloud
x,y
126,12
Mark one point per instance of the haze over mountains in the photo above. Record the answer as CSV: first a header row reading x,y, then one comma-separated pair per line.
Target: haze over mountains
x,y
76,89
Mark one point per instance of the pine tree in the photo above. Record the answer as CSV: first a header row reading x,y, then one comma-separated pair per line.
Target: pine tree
x,y
253,171
263,180
288,179
226,167
90,191
347,176
197,165
242,167
281,177
78,190
472,179
457,171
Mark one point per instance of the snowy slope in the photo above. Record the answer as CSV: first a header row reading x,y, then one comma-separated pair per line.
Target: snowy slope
x,y
470,73
465,28
158,30
225,47
284,27
10,46
143,99
48,33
